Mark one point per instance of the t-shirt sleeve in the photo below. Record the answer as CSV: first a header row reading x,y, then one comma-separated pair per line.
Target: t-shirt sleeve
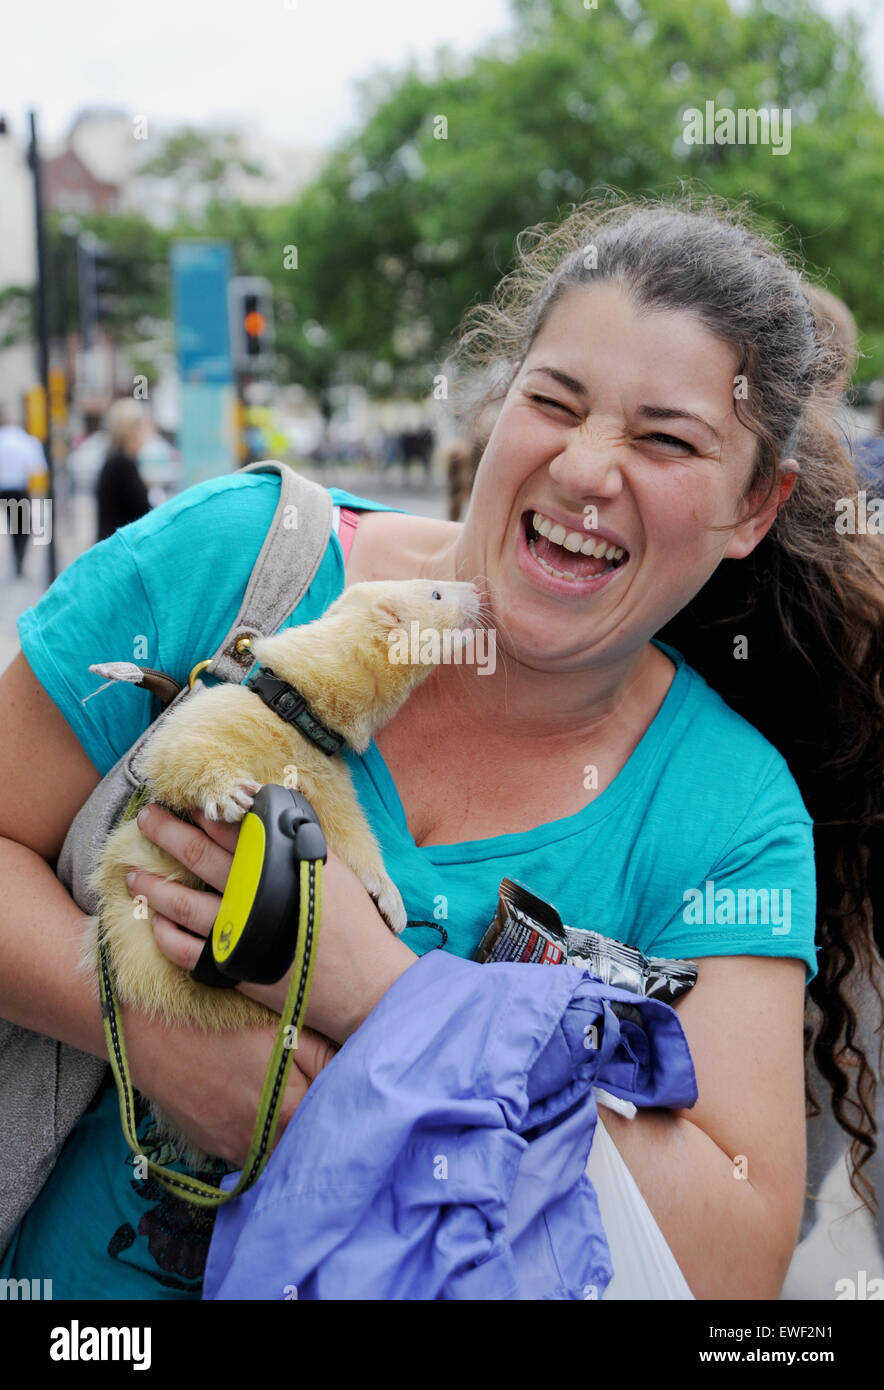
x,y
96,610
161,592
758,896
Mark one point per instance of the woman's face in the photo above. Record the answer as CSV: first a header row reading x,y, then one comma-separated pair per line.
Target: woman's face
x,y
620,430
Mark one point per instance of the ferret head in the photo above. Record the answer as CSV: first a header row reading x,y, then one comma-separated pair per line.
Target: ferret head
x,y
394,605
359,662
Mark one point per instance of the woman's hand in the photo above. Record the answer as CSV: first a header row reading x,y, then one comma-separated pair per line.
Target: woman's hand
x,y
210,1083
357,957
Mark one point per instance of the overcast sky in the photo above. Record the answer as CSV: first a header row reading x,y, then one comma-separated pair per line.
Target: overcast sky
x,y
282,66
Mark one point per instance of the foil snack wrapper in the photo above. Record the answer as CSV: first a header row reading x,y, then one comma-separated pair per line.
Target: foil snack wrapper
x,y
528,929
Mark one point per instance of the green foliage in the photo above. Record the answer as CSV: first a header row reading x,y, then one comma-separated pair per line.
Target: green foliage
x,y
140,289
403,229
17,316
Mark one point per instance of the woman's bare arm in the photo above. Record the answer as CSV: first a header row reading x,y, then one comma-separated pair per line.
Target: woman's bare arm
x,y
725,1180
46,778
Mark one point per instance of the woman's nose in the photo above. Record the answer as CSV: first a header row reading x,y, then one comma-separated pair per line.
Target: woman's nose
x,y
590,462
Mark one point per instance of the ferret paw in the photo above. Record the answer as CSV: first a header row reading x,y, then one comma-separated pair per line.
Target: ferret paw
x,y
232,805
390,906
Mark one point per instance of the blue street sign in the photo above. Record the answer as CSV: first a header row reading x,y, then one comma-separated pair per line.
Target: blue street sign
x,y
206,436
200,275
207,432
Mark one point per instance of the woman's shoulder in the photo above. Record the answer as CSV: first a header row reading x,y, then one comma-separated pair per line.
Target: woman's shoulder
x,y
230,496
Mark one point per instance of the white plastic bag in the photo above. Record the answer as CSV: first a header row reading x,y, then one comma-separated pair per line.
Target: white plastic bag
x,y
644,1266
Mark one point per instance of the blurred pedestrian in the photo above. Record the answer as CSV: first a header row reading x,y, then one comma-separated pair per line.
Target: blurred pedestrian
x,y
120,490
461,459
21,457
837,326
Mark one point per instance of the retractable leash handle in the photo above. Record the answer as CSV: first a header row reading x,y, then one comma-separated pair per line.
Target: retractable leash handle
x,y
254,934
275,883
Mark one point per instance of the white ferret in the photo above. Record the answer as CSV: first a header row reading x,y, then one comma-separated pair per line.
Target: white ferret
x,y
220,745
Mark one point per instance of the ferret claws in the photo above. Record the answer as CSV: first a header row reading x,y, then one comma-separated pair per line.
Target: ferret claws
x,y
233,806
390,906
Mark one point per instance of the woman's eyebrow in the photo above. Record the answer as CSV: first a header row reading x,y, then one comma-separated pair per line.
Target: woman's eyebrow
x,y
650,412
569,382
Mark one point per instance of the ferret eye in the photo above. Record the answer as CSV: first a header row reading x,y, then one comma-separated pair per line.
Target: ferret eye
x,y
435,594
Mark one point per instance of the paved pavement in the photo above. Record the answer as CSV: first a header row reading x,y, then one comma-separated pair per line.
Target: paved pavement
x,y
73,524
844,1240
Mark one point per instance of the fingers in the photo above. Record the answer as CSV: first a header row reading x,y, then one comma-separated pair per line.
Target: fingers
x,y
222,832
314,1052
204,853
176,945
187,907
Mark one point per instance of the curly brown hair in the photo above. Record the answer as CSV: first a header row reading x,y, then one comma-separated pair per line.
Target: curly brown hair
x,y
809,598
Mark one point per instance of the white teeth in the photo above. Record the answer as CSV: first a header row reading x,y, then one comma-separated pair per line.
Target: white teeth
x,y
573,541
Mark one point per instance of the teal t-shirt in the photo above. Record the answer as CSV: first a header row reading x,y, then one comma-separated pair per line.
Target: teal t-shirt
x,y
701,846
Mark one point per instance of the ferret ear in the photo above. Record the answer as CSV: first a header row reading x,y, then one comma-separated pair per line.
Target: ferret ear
x,y
386,612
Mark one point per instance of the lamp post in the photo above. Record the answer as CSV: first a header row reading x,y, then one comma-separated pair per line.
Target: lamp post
x,y
42,326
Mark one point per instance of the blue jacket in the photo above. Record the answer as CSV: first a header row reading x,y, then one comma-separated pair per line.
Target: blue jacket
x,y
441,1154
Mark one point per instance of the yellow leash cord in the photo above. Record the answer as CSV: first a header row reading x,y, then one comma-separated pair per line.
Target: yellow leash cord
x,y
193,1189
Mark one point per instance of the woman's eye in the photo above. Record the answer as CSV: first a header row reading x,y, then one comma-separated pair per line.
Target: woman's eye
x,y
548,400
671,441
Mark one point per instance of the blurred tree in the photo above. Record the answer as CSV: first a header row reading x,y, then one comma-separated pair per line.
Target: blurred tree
x,y
199,168
415,216
138,292
17,315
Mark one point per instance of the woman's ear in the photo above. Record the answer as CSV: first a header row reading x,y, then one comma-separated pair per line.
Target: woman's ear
x,y
757,524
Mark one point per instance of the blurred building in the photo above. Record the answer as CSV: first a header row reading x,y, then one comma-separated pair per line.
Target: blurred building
x,y
70,187
90,171
18,262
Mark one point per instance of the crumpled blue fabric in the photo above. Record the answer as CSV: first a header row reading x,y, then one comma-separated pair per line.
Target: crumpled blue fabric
x,y
441,1154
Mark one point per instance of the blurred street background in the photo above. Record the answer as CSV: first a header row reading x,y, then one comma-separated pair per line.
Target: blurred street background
x,y
260,227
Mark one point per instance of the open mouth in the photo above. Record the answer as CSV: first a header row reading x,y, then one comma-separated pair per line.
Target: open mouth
x,y
570,554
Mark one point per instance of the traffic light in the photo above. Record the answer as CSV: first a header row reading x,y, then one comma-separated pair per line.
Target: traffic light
x,y
97,279
251,315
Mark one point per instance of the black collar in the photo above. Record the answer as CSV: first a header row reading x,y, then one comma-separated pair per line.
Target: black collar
x,y
291,706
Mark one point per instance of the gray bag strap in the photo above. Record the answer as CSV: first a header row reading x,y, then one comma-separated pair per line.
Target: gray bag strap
x,y
286,565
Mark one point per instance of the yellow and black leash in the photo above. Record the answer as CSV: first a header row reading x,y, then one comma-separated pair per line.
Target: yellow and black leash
x,y
264,866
